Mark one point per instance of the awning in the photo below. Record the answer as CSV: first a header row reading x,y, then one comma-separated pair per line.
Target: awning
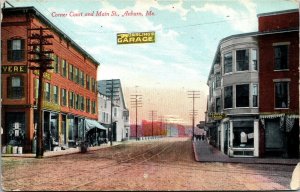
x,y
91,124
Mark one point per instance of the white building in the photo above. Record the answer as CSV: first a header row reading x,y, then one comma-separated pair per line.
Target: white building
x,y
120,113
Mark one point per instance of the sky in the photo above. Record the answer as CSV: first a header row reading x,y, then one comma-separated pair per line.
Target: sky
x,y
187,35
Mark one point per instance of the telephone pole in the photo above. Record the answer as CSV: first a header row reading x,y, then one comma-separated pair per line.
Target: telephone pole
x,y
112,87
152,114
193,95
42,57
136,101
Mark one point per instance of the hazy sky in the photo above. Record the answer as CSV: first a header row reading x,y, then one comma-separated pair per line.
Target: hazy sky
x,y
187,35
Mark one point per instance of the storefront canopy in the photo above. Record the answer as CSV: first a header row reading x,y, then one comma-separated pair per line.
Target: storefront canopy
x,y
91,124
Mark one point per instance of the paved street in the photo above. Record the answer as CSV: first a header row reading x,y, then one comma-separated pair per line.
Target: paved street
x,y
165,164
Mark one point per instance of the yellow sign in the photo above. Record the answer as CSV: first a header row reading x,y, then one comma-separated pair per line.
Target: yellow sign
x,y
51,106
133,38
217,116
45,75
6,69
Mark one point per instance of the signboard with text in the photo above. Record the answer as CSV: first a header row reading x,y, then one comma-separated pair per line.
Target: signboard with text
x,y
134,38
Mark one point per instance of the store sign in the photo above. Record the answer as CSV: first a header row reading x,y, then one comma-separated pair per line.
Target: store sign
x,y
133,38
45,75
7,69
217,116
51,106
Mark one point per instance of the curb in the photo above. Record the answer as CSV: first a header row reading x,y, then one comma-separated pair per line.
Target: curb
x,y
195,154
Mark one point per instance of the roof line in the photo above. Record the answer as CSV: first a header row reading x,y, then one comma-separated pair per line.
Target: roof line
x,y
278,12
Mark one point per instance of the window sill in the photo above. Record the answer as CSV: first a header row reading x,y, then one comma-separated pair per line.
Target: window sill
x,y
280,108
278,70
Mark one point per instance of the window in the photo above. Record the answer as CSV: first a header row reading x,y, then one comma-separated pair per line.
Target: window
x,y
281,95
88,103
281,57
47,92
36,88
243,134
242,95
76,101
228,63
15,87
15,50
255,95
254,59
76,78
56,63
82,103
81,78
242,60
228,97
218,105
71,99
218,79
64,67
115,112
71,72
64,97
103,117
93,107
93,85
71,128
55,94
88,82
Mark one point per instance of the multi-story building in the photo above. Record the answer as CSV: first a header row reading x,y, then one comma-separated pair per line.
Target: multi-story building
x,y
279,78
251,81
70,96
120,113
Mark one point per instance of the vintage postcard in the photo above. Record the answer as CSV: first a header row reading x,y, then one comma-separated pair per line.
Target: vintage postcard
x,y
150,95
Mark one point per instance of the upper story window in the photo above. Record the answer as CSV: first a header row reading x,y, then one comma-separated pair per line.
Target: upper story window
x,y
47,92
228,63
16,50
255,95
281,95
281,57
115,112
228,97
242,60
93,107
242,95
76,75
55,94
254,59
218,79
15,87
87,85
71,99
218,105
88,105
56,63
64,67
64,97
71,72
81,78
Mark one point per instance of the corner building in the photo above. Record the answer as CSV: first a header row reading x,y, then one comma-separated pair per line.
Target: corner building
x,y
70,96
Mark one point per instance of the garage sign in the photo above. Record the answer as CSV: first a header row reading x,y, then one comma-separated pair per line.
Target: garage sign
x,y
134,38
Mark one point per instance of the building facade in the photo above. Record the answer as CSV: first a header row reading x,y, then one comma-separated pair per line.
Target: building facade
x,y
279,77
251,109
70,96
120,114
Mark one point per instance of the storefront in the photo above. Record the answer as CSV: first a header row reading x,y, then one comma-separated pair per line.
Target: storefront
x,y
95,133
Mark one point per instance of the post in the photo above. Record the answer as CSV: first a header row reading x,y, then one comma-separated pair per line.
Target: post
x,y
111,111
40,140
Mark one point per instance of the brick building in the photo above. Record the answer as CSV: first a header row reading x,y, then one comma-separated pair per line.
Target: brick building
x,y
70,96
279,77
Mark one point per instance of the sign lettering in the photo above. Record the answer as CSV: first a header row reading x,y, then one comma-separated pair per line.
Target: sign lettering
x,y
7,69
133,38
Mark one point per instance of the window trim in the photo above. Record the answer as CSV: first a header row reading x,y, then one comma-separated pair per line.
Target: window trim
x,y
236,61
288,93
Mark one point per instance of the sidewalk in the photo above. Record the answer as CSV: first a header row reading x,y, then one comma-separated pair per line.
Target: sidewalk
x,y
207,153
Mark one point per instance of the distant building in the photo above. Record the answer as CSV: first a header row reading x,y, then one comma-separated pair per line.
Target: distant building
x,y
120,113
70,102
251,110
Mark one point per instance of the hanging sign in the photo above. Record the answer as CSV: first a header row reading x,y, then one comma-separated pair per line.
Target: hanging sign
x,y
134,38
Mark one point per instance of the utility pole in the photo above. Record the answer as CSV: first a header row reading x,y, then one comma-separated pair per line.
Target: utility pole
x,y
152,113
136,101
112,87
193,95
38,40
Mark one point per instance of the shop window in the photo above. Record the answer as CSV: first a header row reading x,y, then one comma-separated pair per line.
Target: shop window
x,y
228,97
55,94
71,99
15,125
254,59
16,50
242,60
15,87
281,95
243,134
218,79
71,135
71,72
228,63
255,95
281,57
242,95
47,92
218,105
64,97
